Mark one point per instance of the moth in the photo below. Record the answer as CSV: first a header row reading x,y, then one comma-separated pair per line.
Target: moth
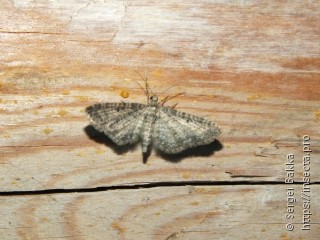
x,y
154,125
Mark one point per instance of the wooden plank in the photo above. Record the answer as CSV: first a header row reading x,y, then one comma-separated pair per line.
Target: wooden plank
x,y
251,67
220,212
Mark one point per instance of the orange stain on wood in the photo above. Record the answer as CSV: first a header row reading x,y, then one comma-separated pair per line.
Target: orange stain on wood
x,y
100,151
158,73
186,175
47,131
6,135
44,220
254,97
82,154
284,237
82,98
62,112
65,92
117,226
124,94
194,203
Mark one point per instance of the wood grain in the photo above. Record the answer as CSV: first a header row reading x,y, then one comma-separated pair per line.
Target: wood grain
x,y
251,67
221,212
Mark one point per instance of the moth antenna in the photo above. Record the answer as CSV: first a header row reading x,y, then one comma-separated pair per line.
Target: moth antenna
x,y
147,84
167,98
143,89
172,107
147,88
167,89
162,102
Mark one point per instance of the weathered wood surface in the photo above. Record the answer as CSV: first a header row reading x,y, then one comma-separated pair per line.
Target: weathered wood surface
x,y
252,67
224,212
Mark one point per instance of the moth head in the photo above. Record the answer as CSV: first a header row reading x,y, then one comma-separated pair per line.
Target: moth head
x,y
153,100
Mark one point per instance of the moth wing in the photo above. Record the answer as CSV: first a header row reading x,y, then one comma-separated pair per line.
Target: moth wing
x,y
176,131
121,122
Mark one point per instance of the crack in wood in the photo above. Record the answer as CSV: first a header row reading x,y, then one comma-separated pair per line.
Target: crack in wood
x,y
148,185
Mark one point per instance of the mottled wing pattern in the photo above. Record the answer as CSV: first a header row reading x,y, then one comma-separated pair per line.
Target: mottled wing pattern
x,y
176,131
121,122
